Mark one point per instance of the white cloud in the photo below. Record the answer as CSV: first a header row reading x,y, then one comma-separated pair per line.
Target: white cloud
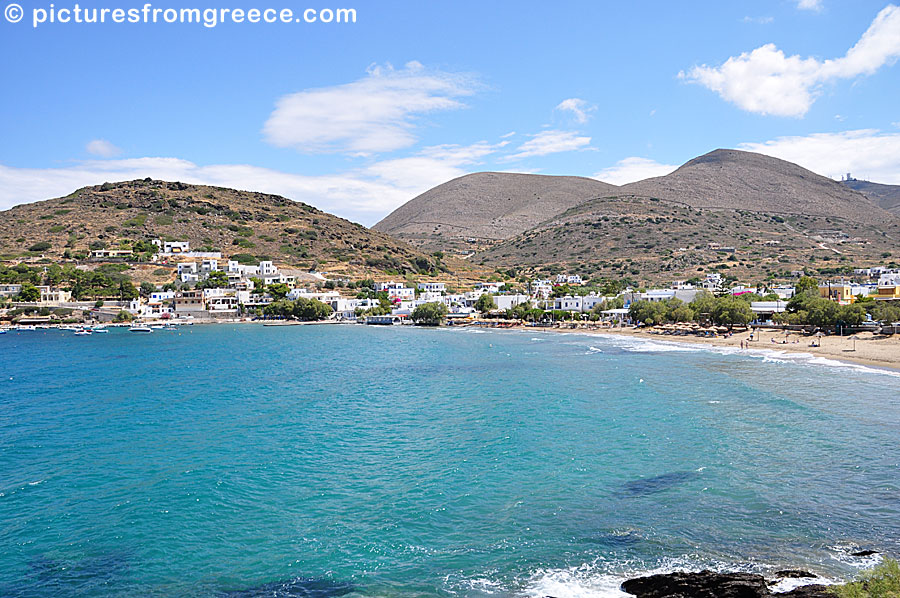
x,y
551,142
102,148
377,113
633,169
866,153
364,195
579,108
759,20
766,81
809,4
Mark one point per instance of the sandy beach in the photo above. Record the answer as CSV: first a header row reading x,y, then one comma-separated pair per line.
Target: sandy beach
x,y
863,348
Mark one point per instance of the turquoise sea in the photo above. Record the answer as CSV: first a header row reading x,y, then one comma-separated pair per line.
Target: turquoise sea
x,y
238,460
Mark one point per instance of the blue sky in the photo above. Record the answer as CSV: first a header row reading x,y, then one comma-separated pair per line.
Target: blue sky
x,y
358,118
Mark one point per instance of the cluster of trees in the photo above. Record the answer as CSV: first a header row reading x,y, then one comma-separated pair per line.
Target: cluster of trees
x,y
725,311
429,314
806,308
307,310
107,281
810,309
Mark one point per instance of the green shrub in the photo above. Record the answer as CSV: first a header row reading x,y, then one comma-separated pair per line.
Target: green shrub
x,y
138,220
881,582
41,246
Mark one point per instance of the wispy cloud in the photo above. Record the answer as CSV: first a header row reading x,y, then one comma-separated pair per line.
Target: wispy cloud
x,y
809,5
765,81
580,109
364,195
633,169
759,20
375,114
102,148
551,142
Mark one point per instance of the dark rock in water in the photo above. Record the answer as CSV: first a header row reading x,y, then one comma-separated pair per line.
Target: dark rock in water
x,y
794,574
810,591
659,483
704,584
864,553
295,588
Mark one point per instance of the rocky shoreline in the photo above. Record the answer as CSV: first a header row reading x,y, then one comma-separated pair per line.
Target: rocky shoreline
x,y
709,584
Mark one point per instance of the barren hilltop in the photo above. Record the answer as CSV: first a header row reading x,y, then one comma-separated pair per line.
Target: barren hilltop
x,y
486,207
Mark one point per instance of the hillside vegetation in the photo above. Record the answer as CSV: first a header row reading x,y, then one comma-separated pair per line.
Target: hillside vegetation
x,y
243,225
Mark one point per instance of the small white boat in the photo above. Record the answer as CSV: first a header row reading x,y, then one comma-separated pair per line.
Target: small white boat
x,y
83,332
97,330
2,330
144,329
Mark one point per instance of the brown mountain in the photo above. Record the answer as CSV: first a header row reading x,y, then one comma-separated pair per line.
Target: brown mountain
x,y
486,207
738,180
886,196
750,215
242,225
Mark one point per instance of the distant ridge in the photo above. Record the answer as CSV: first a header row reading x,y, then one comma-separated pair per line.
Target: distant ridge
x,y
886,196
488,206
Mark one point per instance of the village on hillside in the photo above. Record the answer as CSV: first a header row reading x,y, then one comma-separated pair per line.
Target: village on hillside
x,y
208,288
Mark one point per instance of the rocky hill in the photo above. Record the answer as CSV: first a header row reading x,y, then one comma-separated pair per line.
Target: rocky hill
x,y
741,213
649,239
737,180
486,207
886,196
242,225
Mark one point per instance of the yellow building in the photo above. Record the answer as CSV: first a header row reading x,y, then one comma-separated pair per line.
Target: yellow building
x,y
891,292
840,292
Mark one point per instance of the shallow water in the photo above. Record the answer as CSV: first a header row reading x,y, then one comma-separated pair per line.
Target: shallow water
x,y
237,460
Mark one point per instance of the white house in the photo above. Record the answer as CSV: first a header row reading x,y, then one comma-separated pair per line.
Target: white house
x,y
541,289
568,303
713,281
487,287
510,301
188,272
433,287
568,279
889,280
176,247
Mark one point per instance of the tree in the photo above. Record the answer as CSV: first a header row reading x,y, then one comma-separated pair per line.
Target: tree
x,y
806,283
311,310
702,305
123,316
431,314
29,293
278,290
851,315
731,312
485,303
127,292
147,288
216,279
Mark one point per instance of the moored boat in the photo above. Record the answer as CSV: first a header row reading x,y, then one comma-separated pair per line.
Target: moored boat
x,y
138,328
